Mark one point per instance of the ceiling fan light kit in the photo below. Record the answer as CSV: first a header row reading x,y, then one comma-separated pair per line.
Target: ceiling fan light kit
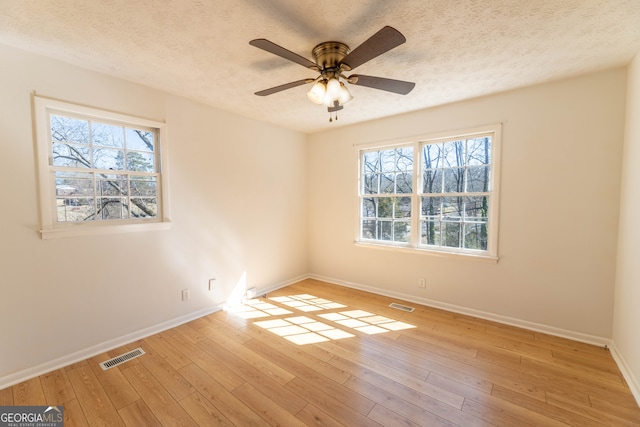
x,y
328,92
332,59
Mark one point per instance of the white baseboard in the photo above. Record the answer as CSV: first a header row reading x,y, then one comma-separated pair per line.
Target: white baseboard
x,y
52,365
537,327
632,382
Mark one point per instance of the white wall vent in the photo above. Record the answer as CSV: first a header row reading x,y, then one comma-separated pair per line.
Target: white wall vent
x,y
119,360
401,307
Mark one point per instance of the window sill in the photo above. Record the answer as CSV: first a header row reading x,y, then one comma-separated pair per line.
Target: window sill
x,y
444,254
88,230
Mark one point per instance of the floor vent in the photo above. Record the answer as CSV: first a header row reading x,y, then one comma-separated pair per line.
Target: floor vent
x,y
401,307
121,359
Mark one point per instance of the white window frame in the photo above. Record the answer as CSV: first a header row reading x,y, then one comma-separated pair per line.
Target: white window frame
x,y
414,246
51,228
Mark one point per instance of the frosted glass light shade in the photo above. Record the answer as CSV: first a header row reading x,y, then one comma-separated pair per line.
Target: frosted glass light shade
x,y
333,89
317,93
345,95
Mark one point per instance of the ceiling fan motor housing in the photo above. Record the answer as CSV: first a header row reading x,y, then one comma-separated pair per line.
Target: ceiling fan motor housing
x,y
329,54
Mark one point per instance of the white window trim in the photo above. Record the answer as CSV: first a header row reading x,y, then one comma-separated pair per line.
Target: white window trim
x,y
50,228
491,255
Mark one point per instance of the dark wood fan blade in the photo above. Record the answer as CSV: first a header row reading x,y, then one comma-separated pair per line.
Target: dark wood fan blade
x,y
382,41
271,47
390,85
283,87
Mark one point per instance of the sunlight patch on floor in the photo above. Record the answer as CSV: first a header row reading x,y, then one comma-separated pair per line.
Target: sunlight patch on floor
x,y
307,302
302,330
253,309
306,330
363,321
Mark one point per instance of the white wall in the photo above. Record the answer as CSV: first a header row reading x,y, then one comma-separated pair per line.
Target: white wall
x,y
560,175
626,327
238,204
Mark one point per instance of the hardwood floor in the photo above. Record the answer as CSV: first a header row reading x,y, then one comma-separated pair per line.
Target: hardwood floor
x,y
323,355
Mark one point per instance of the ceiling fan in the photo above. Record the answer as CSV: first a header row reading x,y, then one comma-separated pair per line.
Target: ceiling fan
x,y
332,60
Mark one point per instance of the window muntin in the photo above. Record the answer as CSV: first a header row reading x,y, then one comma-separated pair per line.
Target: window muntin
x,y
98,169
437,194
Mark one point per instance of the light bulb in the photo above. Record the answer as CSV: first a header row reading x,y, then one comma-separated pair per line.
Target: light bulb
x,y
317,93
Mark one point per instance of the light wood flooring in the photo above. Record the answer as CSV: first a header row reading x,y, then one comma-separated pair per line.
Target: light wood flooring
x,y
324,355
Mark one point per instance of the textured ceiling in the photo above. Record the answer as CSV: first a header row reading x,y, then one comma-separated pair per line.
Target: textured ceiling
x,y
455,49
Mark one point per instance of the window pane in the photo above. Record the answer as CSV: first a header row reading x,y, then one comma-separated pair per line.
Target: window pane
x,y
140,140
67,129
478,179
384,230
404,183
111,185
143,186
404,159
112,208
432,206
476,208
371,162
369,229
386,183
403,207
430,232
432,156
452,208
479,151
108,159
453,154
385,207
388,160
74,209
432,181
369,207
371,184
142,207
454,180
140,162
107,135
71,155
74,184
401,231
475,236
451,234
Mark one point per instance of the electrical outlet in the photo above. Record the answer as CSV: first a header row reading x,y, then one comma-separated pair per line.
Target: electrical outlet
x,y
211,283
186,295
422,283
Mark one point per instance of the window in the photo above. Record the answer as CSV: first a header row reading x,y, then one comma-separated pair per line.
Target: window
x,y
100,172
387,177
434,194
